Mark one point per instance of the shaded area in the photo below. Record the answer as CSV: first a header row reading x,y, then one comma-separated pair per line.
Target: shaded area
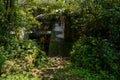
x,y
58,65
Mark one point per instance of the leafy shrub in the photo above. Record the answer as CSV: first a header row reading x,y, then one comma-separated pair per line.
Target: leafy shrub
x,y
95,55
27,51
2,59
96,18
82,74
19,76
20,56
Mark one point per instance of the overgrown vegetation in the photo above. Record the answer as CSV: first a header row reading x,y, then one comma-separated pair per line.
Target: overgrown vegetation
x,y
17,54
96,50
96,56
92,32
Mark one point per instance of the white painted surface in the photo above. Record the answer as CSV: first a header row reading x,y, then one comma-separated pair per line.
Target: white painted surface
x,y
60,29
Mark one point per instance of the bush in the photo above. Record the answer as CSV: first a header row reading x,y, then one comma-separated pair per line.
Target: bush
x,y
2,60
95,55
82,74
96,18
26,51
19,76
20,56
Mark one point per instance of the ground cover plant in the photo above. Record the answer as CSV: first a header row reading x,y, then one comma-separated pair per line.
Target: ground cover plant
x,y
90,49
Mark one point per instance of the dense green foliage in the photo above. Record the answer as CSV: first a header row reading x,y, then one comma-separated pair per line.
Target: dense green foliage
x,y
2,60
24,50
15,50
97,19
19,76
83,74
92,27
98,26
95,55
